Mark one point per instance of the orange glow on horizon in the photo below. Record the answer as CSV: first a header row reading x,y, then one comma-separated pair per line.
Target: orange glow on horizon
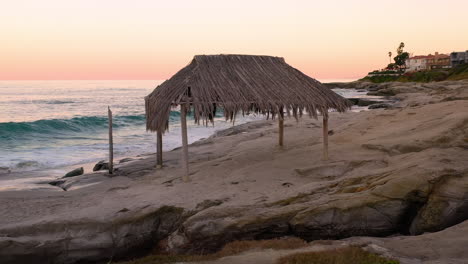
x,y
152,40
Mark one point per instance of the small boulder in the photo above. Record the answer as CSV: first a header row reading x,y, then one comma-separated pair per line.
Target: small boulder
x,y
382,105
373,93
382,92
365,102
101,165
354,101
125,160
75,172
57,182
5,170
373,88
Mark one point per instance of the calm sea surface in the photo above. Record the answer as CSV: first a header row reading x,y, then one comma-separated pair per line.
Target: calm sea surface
x,y
52,124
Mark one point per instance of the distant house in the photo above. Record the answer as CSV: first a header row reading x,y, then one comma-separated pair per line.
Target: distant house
x,y
438,61
457,58
427,62
416,63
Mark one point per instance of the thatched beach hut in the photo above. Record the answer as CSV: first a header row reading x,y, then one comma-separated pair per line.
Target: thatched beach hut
x,y
238,84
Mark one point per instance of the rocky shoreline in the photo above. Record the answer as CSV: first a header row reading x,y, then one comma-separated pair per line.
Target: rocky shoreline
x,y
398,171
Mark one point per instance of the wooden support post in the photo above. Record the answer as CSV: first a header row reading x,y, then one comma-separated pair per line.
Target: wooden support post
x,y
185,161
325,137
111,143
280,127
159,162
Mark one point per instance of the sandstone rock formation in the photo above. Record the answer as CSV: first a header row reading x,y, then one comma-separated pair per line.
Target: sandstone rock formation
x,y
399,171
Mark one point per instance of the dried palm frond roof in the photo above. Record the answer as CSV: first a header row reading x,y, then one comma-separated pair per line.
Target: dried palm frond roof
x,y
239,83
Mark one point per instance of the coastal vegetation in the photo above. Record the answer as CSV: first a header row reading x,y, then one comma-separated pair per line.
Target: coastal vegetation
x,y
430,68
459,72
398,66
399,59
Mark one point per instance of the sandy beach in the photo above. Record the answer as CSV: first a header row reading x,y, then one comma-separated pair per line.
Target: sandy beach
x,y
397,171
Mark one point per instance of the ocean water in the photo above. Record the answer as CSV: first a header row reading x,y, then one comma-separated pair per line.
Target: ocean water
x,y
53,124
47,125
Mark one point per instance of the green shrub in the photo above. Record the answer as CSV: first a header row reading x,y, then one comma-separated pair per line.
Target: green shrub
x,y
385,72
457,73
424,76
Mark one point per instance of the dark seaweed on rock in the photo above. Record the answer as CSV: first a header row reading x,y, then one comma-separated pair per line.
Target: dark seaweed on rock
x,y
239,83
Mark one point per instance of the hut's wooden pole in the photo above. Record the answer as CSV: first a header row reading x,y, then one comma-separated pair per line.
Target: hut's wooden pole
x,y
111,143
183,120
280,127
159,162
325,137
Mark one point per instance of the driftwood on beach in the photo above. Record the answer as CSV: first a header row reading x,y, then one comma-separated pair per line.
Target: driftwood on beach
x,y
239,84
111,143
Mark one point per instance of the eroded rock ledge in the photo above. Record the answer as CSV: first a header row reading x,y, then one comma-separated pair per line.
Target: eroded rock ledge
x,y
399,171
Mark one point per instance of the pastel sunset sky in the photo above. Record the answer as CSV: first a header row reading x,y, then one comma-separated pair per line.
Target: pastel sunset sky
x,y
150,39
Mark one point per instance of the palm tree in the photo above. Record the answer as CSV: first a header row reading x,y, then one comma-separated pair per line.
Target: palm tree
x,y
390,57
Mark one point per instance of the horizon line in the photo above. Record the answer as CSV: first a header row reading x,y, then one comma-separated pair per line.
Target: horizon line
x,y
343,78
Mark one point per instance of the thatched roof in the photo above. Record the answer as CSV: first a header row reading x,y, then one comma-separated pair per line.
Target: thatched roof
x,y
239,83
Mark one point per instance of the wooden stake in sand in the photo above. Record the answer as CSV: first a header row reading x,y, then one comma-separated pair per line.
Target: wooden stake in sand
x,y
111,144
183,121
325,136
280,127
159,162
